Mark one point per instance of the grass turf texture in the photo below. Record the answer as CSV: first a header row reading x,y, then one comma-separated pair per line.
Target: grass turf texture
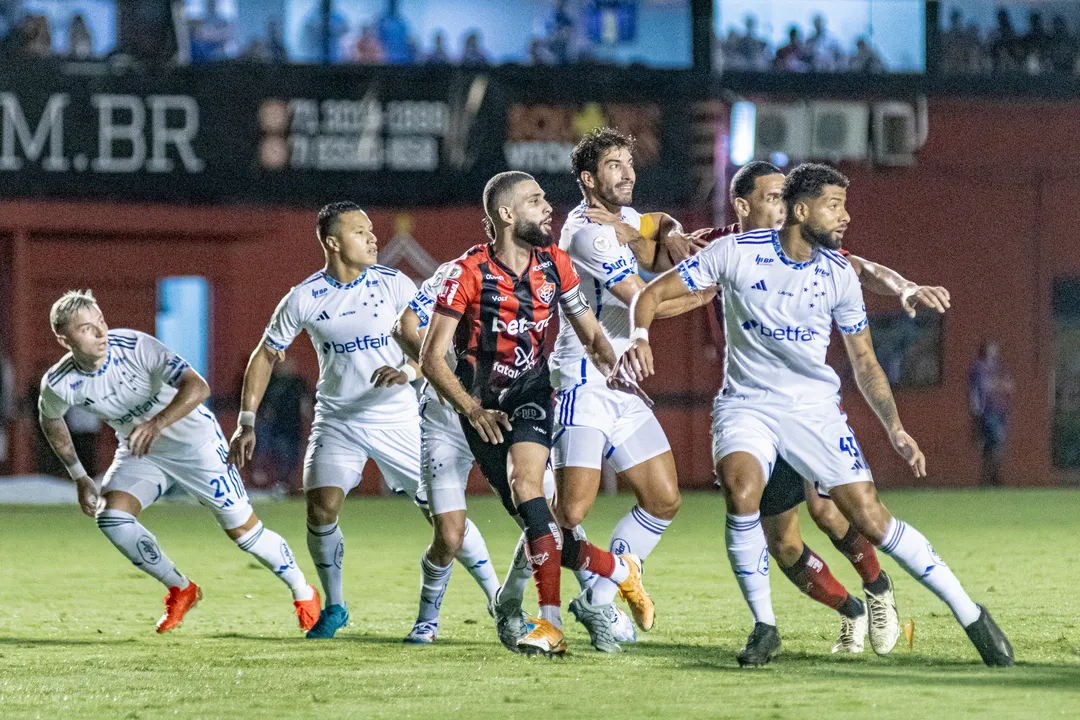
x,y
77,624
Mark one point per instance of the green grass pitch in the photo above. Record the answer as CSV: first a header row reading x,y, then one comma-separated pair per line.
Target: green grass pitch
x,y
77,640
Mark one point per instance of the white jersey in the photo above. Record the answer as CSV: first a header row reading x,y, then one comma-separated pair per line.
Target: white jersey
x,y
599,257
423,304
349,326
778,315
136,382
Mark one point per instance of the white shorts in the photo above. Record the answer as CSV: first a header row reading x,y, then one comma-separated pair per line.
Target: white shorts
x,y
446,459
594,423
817,441
205,474
336,455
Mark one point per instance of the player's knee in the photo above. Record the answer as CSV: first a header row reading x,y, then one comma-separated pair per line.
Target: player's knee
x,y
320,513
571,514
742,492
787,551
871,521
828,519
663,504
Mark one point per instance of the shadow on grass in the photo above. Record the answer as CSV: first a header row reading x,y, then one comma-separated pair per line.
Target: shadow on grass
x,y
362,638
60,642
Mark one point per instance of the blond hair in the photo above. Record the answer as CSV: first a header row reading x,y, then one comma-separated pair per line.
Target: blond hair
x,y
69,303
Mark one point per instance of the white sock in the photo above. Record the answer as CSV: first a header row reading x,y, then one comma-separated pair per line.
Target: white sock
x,y
139,545
518,574
433,582
749,556
584,577
637,533
327,547
913,552
551,614
275,555
476,559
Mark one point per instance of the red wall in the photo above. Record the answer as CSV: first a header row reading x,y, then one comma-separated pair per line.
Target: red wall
x,y
986,211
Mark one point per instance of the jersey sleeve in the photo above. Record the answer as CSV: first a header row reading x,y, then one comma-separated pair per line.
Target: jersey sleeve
x,y
403,291
50,405
567,274
712,266
459,289
160,361
285,324
850,311
423,302
597,252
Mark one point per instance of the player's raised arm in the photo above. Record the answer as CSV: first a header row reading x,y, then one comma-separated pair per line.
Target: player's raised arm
x,y
436,344
51,410
882,280
191,391
256,377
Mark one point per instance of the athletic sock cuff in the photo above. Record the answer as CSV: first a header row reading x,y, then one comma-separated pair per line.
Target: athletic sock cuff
x,y
114,518
433,569
650,522
248,539
322,530
743,522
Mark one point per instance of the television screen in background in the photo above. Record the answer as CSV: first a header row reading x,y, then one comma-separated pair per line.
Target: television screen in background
x,y
820,36
1036,38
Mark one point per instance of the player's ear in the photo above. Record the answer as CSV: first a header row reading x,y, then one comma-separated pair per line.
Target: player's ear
x,y
800,211
742,207
506,215
587,179
62,340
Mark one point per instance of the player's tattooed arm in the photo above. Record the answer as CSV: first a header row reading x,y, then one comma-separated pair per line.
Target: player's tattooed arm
x,y
882,280
256,378
440,335
191,391
59,438
874,385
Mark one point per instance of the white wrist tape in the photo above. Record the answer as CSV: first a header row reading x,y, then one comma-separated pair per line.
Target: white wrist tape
x,y
76,471
246,417
639,334
410,372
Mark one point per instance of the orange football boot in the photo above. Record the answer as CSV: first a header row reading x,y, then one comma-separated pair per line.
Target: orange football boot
x,y
544,639
177,603
307,611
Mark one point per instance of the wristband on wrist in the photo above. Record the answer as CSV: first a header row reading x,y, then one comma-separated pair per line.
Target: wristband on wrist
x,y
246,417
410,372
76,471
639,334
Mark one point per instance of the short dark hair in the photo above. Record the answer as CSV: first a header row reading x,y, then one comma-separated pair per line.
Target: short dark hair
x,y
585,157
329,214
744,180
495,195
808,181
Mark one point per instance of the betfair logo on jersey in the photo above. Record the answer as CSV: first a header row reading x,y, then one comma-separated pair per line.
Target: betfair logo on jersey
x,y
360,344
137,411
785,334
518,326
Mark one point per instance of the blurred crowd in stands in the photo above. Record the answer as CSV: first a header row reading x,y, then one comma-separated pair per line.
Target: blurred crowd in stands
x,y
1043,48
817,51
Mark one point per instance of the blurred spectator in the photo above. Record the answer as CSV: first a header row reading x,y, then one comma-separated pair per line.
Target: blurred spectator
x,y
267,49
285,408
212,36
1006,47
394,37
36,37
1062,53
790,57
558,46
823,53
312,36
438,54
539,54
1036,45
865,59
369,51
990,392
473,54
80,45
752,50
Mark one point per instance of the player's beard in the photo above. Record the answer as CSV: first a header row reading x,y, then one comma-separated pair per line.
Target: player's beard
x,y
613,196
817,236
532,233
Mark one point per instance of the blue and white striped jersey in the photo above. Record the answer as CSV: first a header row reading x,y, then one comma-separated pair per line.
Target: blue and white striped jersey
x,y
136,382
778,315
349,326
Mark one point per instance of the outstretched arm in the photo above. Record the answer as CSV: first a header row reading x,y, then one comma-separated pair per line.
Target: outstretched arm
x,y
882,280
440,335
637,360
191,390
874,386
626,289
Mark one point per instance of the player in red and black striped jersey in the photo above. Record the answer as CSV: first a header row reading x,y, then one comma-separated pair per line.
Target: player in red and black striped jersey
x,y
497,302
756,197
